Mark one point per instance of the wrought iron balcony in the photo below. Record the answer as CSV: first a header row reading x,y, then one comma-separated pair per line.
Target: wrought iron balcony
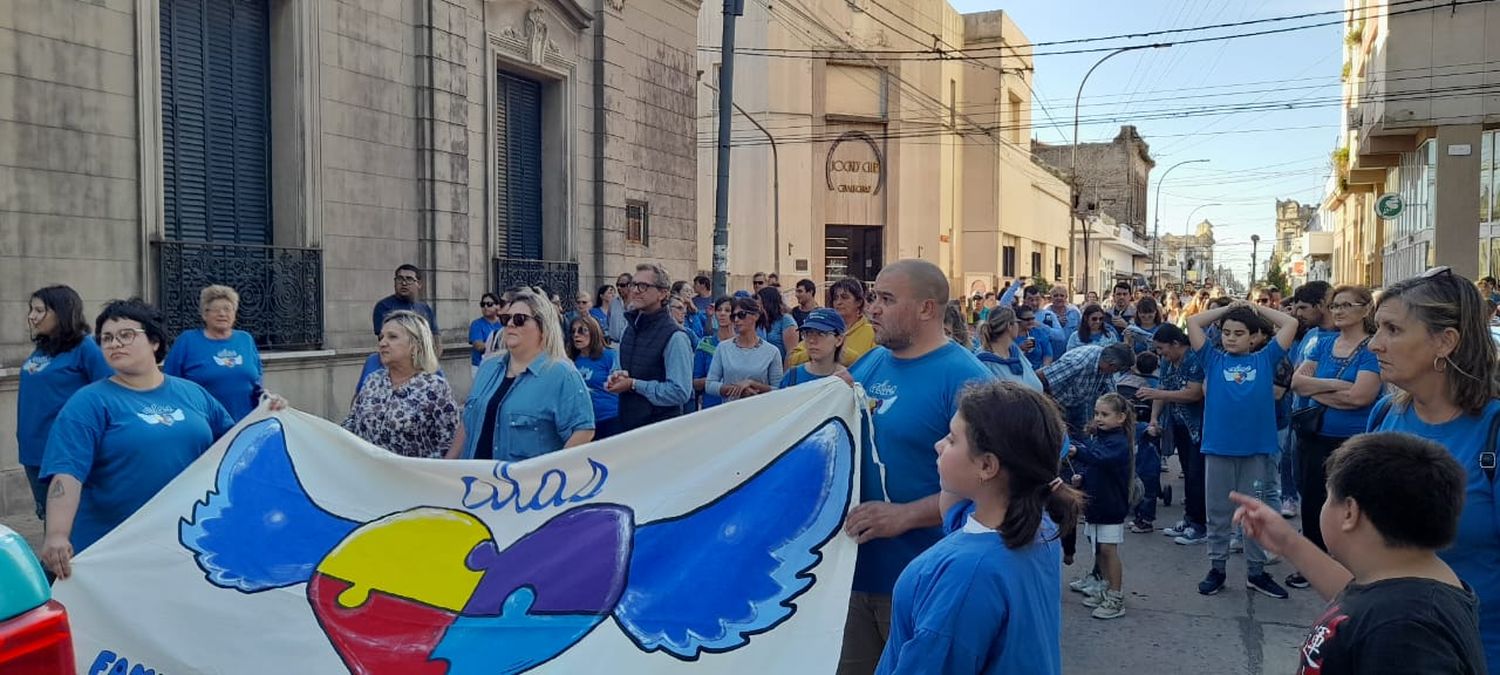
x,y
281,289
559,277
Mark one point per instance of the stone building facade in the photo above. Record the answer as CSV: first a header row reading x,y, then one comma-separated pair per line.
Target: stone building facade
x,y
1187,258
302,149
844,159
1112,177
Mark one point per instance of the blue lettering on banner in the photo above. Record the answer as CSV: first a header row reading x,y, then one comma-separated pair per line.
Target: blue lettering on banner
x,y
110,663
551,491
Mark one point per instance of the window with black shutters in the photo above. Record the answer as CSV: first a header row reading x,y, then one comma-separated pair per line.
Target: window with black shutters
x,y
638,222
518,167
1008,261
1036,264
215,118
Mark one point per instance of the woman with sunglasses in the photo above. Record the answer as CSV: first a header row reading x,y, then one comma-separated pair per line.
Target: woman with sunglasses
x,y
120,440
1433,344
1000,352
482,328
531,400
1093,329
703,354
746,365
405,406
595,361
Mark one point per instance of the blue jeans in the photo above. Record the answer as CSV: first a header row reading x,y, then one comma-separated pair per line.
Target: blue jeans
x,y
1288,464
1148,468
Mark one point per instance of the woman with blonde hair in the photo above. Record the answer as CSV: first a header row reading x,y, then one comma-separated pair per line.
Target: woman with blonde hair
x,y
405,406
999,351
529,400
219,358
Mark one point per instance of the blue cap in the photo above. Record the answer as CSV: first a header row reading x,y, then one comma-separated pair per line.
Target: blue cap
x,y
825,320
742,294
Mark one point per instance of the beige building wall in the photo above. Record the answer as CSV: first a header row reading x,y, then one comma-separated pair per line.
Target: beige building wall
x,y
383,145
951,139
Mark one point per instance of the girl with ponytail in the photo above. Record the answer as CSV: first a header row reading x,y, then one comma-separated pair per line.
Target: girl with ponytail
x,y
986,599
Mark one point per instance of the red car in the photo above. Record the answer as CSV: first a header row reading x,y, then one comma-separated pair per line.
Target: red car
x,y
34,634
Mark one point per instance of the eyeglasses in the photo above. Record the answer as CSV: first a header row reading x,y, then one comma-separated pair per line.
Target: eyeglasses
x,y
406,281
741,315
1341,306
758,282
124,338
486,304
517,320
642,287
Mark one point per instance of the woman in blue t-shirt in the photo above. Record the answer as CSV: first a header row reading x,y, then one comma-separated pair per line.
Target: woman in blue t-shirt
x,y
600,312
219,358
595,362
120,440
1434,346
987,597
1342,377
779,328
1093,329
703,353
64,361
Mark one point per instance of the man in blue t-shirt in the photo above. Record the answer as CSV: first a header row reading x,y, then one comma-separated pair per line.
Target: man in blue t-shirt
x,y
1239,424
408,288
913,380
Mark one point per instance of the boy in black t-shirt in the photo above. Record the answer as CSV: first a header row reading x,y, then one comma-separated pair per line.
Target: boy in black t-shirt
x,y
1394,606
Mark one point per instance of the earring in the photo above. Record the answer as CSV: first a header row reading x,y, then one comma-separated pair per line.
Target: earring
x,y
1439,363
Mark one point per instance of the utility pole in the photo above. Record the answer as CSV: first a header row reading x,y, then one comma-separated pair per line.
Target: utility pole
x,y
732,10
1254,247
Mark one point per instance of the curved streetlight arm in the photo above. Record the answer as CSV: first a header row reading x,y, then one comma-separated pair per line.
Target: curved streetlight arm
x,y
1156,220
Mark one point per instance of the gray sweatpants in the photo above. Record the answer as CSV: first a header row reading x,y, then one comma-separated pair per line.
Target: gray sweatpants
x,y
1246,475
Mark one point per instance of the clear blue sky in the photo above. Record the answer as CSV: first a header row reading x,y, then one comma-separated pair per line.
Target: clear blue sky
x,y
1252,164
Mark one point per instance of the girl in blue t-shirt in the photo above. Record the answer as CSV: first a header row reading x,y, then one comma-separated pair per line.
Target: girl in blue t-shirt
x,y
703,352
986,598
823,334
65,360
595,362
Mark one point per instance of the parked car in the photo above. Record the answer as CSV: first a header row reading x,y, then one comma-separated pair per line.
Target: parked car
x,y
34,635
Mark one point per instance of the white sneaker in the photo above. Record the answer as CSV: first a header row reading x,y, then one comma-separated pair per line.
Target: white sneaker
x,y
1088,584
1111,605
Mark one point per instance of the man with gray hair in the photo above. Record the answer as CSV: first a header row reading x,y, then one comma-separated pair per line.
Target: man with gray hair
x,y
1081,376
655,378
913,380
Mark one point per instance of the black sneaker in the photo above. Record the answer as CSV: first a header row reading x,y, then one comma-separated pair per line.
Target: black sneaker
x,y
1265,584
1166,495
1212,583
1296,580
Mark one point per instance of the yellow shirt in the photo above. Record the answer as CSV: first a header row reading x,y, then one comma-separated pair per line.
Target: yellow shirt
x,y
857,340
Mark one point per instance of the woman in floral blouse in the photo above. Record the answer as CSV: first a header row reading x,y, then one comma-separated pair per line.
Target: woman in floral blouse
x,y
406,407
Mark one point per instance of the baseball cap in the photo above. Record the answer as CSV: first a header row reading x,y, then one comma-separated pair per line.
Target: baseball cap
x,y
824,319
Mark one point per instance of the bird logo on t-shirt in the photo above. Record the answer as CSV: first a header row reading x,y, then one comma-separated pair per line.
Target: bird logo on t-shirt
x,y
1239,374
229,358
883,396
162,415
36,364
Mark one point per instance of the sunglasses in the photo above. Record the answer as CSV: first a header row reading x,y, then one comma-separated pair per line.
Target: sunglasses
x,y
517,320
741,315
486,304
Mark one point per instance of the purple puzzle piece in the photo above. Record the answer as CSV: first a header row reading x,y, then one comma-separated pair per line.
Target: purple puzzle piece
x,y
576,563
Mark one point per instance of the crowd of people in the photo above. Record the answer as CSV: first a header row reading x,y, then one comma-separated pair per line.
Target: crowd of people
x,y
1373,415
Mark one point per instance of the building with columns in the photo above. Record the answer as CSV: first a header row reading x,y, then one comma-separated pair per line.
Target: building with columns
x,y
299,150
844,159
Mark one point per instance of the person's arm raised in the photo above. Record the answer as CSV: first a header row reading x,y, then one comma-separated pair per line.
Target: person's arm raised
x,y
1197,322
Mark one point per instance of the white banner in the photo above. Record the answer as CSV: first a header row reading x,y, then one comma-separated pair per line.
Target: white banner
x,y
709,543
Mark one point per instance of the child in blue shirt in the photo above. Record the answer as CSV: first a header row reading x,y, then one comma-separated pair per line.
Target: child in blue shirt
x,y
823,333
1239,424
1104,464
985,598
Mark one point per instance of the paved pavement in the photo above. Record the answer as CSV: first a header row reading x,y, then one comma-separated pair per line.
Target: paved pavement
x,y
1169,628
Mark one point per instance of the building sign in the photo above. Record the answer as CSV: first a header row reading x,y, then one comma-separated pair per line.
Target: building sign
x,y
1389,205
855,165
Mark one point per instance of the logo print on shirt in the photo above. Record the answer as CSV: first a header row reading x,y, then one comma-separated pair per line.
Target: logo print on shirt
x,y
587,373
884,397
1321,634
1239,374
229,358
36,364
161,414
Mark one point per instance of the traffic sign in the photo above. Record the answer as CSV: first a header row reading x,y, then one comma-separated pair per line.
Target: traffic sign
x,y
1389,205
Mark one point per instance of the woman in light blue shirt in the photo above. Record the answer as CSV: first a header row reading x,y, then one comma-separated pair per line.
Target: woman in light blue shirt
x,y
531,400
221,359
65,360
747,365
1093,329
999,351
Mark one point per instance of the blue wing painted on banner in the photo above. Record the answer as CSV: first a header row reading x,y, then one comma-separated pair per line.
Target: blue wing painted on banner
x,y
708,580
259,529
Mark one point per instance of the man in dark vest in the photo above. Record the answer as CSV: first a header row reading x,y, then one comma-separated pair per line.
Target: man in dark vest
x,y
655,377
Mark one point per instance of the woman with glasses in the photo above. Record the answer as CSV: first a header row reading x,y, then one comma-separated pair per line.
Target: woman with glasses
x,y
64,361
1142,329
746,365
530,401
219,358
1339,382
595,362
405,406
482,329
847,297
1093,329
778,326
703,353
1000,353
823,333
118,441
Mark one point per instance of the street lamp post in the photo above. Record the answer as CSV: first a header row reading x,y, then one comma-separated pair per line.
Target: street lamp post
x,y
1187,231
1156,221
1254,247
1073,162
